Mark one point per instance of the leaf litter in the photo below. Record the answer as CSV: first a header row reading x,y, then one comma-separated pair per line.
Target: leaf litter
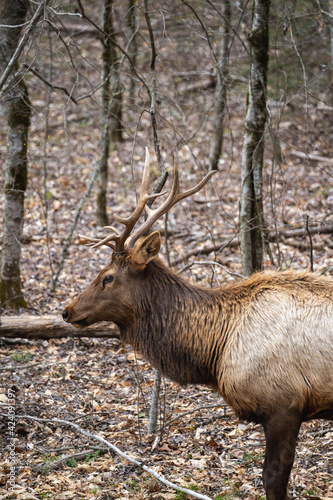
x,y
101,384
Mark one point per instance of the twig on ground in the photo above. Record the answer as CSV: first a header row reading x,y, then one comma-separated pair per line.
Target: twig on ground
x,y
218,405
76,456
25,367
116,450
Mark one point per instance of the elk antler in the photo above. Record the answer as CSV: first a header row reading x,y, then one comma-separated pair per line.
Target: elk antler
x,y
117,240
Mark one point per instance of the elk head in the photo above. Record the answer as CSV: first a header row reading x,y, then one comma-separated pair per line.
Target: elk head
x,y
113,294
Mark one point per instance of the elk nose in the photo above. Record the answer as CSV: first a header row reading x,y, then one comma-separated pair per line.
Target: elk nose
x,y
65,315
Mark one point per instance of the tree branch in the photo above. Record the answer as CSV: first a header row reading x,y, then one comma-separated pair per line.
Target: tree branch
x,y
164,174
84,16
22,42
76,456
49,84
116,450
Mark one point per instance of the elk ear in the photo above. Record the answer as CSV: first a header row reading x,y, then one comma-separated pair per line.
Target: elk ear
x,y
146,249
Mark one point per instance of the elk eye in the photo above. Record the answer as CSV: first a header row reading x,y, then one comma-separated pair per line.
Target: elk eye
x,y
108,279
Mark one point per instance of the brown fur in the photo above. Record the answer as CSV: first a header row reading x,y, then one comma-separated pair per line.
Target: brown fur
x,y
266,342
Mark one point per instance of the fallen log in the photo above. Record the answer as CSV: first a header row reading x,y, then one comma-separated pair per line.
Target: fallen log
x,y
27,326
273,236
312,157
204,251
302,244
300,232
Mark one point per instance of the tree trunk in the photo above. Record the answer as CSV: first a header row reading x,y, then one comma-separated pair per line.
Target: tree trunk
x,y
326,7
331,28
18,107
153,413
111,109
133,45
251,204
221,89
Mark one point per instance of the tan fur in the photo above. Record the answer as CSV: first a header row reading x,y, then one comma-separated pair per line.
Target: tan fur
x,y
283,333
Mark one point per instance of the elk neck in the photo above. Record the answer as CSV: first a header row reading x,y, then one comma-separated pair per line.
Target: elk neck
x,y
180,328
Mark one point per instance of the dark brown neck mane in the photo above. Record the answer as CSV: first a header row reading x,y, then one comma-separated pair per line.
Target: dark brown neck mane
x,y
178,327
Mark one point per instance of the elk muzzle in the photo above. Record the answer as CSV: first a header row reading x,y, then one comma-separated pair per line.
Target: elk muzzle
x,y
65,315
70,316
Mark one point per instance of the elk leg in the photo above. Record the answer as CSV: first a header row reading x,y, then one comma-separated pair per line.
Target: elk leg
x,y
281,431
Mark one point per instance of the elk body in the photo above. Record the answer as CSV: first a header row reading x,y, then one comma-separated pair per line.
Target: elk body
x,y
266,343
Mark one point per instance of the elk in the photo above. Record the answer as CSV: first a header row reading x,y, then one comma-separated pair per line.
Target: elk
x,y
265,343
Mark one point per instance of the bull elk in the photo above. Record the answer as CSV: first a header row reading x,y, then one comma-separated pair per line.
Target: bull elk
x,y
266,343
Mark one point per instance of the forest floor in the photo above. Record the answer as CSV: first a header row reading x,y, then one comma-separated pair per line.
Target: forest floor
x,y
104,388
100,384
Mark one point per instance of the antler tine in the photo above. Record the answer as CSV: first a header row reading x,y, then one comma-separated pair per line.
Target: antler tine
x,y
174,197
118,239
104,241
97,242
129,222
112,229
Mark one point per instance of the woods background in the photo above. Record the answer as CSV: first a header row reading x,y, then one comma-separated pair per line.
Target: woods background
x,y
85,86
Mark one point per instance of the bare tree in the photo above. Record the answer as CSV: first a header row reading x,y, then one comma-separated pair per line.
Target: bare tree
x,y
326,9
18,107
131,20
251,201
221,88
111,107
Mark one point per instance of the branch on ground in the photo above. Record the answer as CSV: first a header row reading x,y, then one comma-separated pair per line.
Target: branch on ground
x,y
116,450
